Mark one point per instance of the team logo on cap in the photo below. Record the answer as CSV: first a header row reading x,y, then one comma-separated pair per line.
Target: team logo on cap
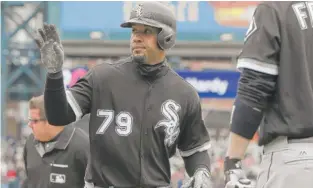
x,y
139,10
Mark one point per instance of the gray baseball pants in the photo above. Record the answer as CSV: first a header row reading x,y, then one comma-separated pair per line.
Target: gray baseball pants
x,y
287,164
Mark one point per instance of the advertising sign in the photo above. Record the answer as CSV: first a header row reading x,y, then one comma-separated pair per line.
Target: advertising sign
x,y
213,84
196,20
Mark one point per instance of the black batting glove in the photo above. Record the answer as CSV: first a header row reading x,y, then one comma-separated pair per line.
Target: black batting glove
x,y
234,175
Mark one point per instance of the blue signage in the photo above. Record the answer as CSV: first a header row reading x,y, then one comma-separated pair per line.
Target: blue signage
x,y
209,84
213,84
195,20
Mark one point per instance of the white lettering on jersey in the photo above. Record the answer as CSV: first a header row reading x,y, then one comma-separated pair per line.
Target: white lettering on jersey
x,y
171,124
123,121
300,11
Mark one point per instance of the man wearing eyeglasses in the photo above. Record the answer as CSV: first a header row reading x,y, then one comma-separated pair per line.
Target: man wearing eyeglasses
x,y
54,156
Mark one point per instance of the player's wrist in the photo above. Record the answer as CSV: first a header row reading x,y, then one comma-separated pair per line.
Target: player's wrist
x,y
232,163
234,174
203,170
54,70
54,81
55,75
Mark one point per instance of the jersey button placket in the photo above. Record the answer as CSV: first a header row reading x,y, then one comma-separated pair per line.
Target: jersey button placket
x,y
144,131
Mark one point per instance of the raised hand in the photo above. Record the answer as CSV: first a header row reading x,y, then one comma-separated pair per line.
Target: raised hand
x,y
51,50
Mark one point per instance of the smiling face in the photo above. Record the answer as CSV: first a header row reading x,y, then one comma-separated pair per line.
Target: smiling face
x,y
144,43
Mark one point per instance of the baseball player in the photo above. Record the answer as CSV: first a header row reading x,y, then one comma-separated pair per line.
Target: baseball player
x,y
140,109
275,90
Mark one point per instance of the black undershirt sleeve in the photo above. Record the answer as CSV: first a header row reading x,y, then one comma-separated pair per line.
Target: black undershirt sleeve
x,y
58,111
255,89
196,161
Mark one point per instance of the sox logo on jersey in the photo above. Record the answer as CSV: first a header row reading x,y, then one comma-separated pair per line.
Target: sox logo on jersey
x,y
171,124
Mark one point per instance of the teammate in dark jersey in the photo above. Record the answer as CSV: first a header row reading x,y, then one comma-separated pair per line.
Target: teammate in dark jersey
x,y
140,109
276,93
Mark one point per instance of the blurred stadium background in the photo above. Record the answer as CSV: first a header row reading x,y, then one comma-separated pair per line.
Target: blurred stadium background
x,y
210,36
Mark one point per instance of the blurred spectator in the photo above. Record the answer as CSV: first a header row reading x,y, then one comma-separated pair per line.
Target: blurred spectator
x,y
12,168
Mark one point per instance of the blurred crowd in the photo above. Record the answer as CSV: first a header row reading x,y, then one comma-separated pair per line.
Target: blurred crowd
x,y
12,165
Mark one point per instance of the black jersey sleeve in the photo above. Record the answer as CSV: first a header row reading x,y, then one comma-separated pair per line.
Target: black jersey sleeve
x,y
262,42
194,136
64,106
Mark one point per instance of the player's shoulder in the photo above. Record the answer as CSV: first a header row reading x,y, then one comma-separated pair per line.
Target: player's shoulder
x,y
109,65
278,6
110,68
183,86
283,10
271,13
